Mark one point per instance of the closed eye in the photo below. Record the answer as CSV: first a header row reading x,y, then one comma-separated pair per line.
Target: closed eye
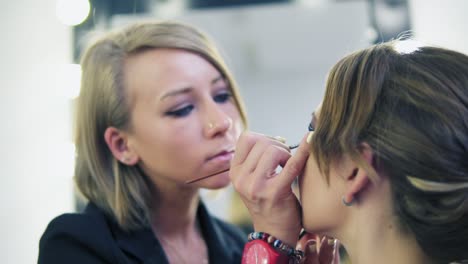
x,y
181,112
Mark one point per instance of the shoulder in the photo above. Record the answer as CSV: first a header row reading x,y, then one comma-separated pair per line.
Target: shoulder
x,y
78,225
77,238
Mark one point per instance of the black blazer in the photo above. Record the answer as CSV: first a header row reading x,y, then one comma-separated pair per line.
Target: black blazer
x,y
91,237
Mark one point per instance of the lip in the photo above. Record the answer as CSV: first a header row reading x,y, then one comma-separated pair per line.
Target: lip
x,y
224,155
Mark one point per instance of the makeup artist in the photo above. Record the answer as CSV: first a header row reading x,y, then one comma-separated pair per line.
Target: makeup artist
x,y
157,108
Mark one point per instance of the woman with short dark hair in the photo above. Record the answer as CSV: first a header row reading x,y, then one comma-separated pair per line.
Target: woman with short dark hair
x,y
385,166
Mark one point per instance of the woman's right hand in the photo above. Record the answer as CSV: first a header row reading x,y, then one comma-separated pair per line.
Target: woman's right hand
x,y
267,194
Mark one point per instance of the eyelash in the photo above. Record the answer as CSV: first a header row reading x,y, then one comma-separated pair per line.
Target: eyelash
x,y
181,112
222,97
186,110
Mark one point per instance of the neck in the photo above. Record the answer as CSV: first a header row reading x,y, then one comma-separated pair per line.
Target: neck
x,y
174,222
372,233
174,211
384,245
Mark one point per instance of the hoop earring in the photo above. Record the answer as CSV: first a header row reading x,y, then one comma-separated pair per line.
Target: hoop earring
x,y
347,203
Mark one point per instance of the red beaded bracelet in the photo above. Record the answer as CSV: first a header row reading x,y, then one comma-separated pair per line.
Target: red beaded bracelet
x,y
290,252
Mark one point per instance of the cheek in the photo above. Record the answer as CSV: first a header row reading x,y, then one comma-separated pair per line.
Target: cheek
x,y
314,198
177,141
307,187
163,144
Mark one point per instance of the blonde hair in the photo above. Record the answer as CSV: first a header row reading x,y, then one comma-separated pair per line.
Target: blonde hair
x,y
122,191
411,107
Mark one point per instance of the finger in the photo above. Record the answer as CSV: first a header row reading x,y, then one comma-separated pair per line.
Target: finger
x,y
278,141
262,144
245,181
259,166
328,250
305,237
278,138
281,140
244,144
256,153
248,140
295,165
272,157
311,252
336,254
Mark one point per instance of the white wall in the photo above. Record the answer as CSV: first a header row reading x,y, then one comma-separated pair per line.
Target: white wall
x,y
34,139
441,22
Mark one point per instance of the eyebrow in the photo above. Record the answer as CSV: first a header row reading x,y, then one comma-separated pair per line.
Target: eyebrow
x,y
176,92
217,79
187,89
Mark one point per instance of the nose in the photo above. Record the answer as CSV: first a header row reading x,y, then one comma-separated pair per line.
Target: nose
x,y
217,122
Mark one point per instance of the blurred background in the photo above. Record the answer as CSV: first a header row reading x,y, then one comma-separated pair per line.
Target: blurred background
x,y
279,51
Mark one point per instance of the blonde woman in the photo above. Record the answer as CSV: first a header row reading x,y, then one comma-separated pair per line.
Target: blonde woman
x,y
385,169
157,107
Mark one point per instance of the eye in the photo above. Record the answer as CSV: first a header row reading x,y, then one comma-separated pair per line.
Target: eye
x,y
222,97
311,126
181,112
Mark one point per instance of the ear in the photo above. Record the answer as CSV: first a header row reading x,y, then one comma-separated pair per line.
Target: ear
x,y
117,141
359,177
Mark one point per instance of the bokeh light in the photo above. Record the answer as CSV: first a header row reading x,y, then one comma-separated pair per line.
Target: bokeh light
x,y
72,12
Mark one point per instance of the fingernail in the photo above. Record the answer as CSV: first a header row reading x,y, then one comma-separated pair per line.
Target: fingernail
x,y
309,137
302,233
312,246
331,241
280,139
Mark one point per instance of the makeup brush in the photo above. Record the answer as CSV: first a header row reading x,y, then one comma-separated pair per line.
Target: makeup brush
x,y
219,172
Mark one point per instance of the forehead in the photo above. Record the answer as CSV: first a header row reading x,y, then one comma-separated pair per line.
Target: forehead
x,y
159,70
163,63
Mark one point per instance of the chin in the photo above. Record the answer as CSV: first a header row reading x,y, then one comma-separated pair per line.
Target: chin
x,y
217,182
309,225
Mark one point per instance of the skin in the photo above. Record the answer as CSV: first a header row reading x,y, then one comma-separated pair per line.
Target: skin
x,y
184,124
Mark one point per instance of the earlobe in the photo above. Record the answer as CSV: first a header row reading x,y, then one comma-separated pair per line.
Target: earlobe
x,y
117,143
359,178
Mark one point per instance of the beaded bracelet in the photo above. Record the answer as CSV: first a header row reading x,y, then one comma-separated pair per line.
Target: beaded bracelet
x,y
291,252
